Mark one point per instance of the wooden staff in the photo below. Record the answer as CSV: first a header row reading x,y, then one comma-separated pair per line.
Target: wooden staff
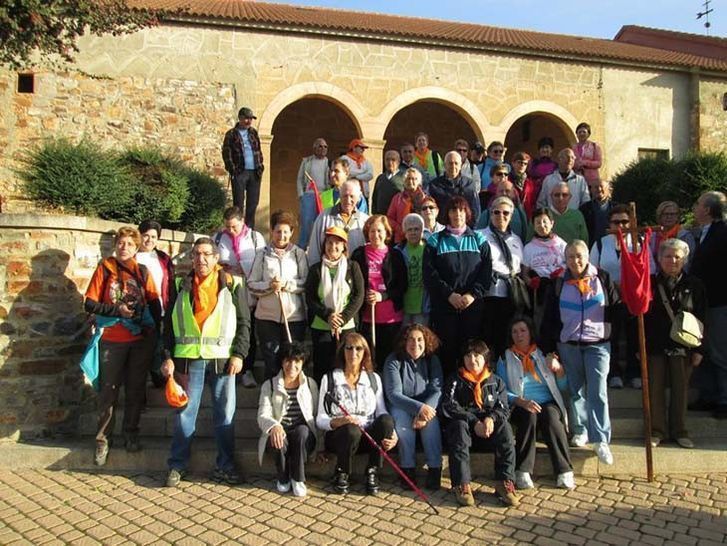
x,y
285,318
373,329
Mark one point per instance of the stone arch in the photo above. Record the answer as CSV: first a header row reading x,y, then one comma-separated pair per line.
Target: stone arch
x,y
525,124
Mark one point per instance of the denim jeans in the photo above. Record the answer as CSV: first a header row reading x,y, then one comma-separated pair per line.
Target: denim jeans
x,y
417,318
308,215
587,370
430,435
717,346
222,387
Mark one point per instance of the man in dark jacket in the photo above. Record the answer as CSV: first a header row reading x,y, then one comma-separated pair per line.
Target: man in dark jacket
x,y
597,211
452,183
244,161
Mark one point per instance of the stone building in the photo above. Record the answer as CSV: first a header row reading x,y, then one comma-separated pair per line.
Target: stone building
x,y
309,72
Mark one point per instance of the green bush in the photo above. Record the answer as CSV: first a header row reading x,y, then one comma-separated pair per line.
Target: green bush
x,y
79,178
206,203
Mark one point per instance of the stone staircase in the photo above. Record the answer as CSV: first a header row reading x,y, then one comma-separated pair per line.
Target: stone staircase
x,y
709,435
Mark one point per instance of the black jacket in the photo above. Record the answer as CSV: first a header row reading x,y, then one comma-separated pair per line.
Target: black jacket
x,y
458,400
589,210
316,306
393,270
710,263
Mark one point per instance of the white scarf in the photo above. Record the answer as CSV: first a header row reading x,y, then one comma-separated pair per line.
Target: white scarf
x,y
336,290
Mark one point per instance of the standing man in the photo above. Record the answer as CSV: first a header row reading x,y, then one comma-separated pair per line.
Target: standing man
x,y
314,170
469,169
244,161
709,265
565,173
452,183
597,211
407,161
388,183
207,336
359,168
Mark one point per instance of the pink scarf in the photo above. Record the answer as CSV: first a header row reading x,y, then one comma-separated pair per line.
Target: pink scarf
x,y
237,241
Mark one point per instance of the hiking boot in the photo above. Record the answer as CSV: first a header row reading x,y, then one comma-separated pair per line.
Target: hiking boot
x,y
434,479
411,474
174,477
102,454
340,481
505,491
132,443
229,477
464,495
372,480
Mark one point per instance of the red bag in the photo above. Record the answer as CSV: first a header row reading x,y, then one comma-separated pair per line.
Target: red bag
x,y
176,397
635,275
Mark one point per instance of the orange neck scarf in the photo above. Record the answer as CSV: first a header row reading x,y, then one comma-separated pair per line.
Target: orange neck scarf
x,y
464,373
583,284
527,362
422,156
358,158
205,296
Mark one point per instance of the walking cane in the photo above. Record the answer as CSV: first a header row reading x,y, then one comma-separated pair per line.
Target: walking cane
x,y
385,455
373,330
285,318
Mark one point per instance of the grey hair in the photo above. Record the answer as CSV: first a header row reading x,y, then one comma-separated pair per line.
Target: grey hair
x,y
500,200
579,243
414,170
354,184
453,153
676,244
715,202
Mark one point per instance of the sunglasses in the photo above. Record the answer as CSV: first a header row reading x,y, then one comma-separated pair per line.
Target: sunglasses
x,y
501,212
429,207
462,150
357,348
561,195
498,151
620,222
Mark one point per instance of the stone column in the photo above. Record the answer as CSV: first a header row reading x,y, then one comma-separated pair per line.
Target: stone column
x,y
694,111
375,155
262,214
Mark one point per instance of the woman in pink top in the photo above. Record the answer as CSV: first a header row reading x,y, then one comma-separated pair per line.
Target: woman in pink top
x,y
385,281
588,154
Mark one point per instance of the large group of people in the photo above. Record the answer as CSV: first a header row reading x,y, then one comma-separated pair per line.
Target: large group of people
x,y
435,315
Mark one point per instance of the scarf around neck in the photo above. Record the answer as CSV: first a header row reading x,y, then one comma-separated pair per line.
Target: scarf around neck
x,y
237,240
456,231
502,244
583,284
204,293
335,290
527,362
358,158
467,375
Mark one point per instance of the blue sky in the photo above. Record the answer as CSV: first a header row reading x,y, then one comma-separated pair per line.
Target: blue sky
x,y
593,18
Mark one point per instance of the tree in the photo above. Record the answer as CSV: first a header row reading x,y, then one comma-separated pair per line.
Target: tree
x,y
52,27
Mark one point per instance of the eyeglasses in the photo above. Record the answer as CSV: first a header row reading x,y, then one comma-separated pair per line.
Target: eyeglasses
x,y
500,174
501,212
357,348
498,151
521,162
323,145
462,150
561,195
203,254
429,207
620,222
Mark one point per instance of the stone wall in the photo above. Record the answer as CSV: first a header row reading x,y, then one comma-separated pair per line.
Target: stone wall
x,y
713,116
186,117
45,265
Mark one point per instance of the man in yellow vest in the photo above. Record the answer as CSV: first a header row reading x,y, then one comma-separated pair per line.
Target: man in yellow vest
x,y
207,337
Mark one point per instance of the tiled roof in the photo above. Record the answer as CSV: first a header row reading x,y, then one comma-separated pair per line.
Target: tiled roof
x,y
697,44
418,30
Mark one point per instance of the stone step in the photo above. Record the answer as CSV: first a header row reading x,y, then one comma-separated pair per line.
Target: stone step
x,y
629,459
628,423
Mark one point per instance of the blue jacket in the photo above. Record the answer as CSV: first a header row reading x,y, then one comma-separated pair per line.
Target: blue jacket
x,y
452,265
409,385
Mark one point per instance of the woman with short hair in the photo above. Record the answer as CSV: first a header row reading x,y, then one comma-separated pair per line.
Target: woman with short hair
x,y
588,154
408,200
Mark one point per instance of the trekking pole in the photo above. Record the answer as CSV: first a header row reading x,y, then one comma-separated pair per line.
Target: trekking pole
x,y
285,318
373,330
385,455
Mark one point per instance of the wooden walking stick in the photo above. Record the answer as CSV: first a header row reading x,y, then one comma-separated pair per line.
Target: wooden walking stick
x,y
373,330
284,317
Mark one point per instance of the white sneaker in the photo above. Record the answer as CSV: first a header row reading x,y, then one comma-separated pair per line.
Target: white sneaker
x,y
579,440
566,480
635,383
615,382
603,452
248,380
523,480
299,489
282,487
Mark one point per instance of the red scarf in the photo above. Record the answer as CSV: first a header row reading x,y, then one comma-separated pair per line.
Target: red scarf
x,y
358,158
583,284
464,373
527,362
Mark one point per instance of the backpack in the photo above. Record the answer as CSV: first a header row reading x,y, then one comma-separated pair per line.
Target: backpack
x,y
329,390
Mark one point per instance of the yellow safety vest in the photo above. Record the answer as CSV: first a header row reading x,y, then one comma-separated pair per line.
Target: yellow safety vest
x,y
218,331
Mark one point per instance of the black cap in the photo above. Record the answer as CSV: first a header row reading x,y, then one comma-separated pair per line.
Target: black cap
x,y
478,147
246,112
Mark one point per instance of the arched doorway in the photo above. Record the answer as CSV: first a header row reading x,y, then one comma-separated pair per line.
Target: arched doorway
x,y
294,130
440,121
524,134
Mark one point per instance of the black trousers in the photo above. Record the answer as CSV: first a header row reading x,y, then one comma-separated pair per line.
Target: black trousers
x,y
271,337
624,325
498,313
386,336
290,463
460,439
454,331
347,440
127,364
550,424
324,351
246,185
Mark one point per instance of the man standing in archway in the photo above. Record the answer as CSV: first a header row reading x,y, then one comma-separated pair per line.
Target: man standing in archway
x,y
244,161
452,183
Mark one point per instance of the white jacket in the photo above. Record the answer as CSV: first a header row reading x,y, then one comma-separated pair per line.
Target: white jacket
x,y
292,269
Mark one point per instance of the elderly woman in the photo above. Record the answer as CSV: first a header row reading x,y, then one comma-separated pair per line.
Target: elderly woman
x,y
578,316
124,299
503,187
413,385
505,296
385,281
409,200
416,299
457,275
670,364
286,417
667,216
495,156
588,154
544,165
277,280
354,385
527,189
334,293
534,386
430,212
474,404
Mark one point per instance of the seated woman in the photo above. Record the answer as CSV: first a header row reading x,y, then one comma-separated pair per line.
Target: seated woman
x,y
354,385
533,390
474,403
286,417
413,385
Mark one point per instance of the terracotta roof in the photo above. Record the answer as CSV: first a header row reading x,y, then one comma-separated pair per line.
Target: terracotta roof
x,y
290,18
697,44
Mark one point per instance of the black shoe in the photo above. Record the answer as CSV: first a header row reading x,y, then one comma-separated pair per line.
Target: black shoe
x,y
720,412
372,480
174,477
434,479
132,444
702,405
340,481
411,474
229,477
102,454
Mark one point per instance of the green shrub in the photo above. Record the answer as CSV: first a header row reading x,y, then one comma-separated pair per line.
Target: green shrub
x,y
206,203
79,178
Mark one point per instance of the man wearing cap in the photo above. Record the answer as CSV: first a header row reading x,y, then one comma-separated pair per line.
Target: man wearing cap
x,y
452,183
244,161
359,168
469,169
344,215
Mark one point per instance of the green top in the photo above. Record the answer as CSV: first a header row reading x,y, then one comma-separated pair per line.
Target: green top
x,y
414,295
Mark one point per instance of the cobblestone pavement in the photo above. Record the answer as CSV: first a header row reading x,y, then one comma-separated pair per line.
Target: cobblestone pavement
x,y
55,507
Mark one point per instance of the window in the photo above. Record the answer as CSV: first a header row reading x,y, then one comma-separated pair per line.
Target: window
x,y
26,83
653,153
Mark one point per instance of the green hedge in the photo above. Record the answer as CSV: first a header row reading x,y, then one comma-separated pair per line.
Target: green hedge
x,y
127,186
648,182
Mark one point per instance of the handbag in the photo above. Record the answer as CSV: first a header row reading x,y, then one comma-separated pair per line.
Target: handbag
x,y
686,329
519,294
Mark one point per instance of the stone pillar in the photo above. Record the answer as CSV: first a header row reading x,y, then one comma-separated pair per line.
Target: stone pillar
x,y
375,154
694,111
262,214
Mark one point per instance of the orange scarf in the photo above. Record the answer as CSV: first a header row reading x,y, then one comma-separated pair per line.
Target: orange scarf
x,y
527,362
358,158
583,284
205,296
464,373
422,156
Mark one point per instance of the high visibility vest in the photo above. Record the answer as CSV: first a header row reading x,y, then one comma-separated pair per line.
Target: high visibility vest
x,y
218,331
